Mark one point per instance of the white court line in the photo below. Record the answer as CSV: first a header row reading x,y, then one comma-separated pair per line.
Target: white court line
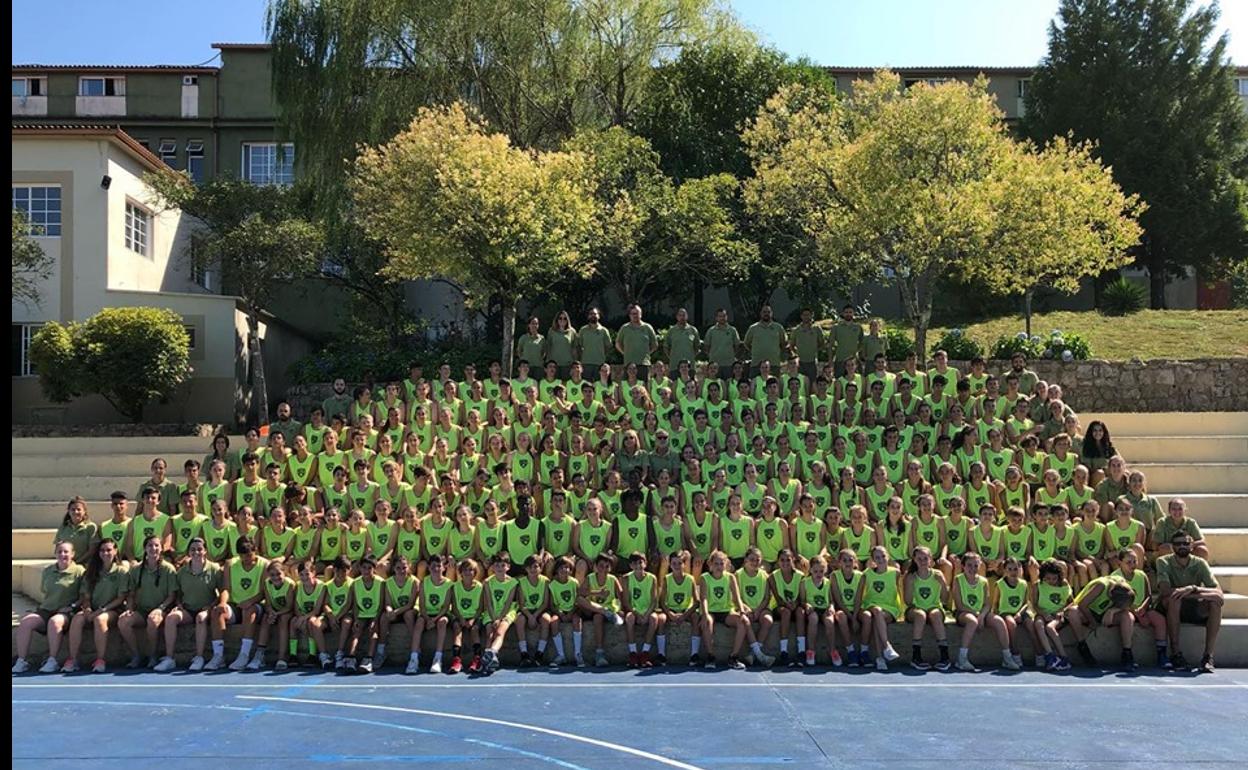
x,y
486,720
1152,684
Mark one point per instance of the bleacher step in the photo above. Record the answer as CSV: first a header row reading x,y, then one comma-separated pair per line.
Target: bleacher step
x,y
1169,423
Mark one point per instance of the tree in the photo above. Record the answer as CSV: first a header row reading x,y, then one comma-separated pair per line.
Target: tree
x,y
449,199
655,235
131,356
901,185
30,264
1148,82
255,236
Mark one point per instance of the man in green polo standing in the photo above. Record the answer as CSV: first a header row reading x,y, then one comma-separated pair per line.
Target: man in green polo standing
x,y
636,340
766,340
846,339
808,340
683,340
593,342
722,343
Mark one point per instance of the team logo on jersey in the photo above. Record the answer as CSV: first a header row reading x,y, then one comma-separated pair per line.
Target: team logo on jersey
x,y
925,592
751,590
218,543
465,604
245,582
810,537
636,594
248,497
719,592
595,539
877,586
1015,601
736,534
928,536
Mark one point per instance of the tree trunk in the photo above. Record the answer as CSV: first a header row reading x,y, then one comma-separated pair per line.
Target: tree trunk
x,y
509,332
918,304
1157,287
259,386
1027,296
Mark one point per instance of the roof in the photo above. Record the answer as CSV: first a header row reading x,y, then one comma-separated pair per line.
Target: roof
x,y
99,130
255,46
109,68
946,69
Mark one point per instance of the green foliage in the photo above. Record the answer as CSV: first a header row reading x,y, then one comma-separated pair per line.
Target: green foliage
x,y
30,264
131,356
959,346
899,342
364,351
1239,285
1152,84
1059,344
1123,297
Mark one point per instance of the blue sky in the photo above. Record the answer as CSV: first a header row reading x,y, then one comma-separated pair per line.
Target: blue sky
x,y
845,32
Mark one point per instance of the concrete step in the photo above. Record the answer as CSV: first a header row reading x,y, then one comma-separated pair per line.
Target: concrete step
x,y
1227,545
21,605
1212,510
27,576
1232,579
121,464
32,543
1199,477
153,446
1182,449
50,513
61,488
1170,423
1232,651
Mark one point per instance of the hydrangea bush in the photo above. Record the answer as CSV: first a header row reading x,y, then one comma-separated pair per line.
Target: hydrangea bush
x,y
1065,346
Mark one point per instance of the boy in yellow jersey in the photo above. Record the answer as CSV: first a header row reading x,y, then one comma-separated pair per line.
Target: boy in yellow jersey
x,y
563,590
244,592
598,601
366,604
435,607
640,602
533,598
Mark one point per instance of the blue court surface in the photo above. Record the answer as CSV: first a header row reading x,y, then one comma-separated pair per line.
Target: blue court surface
x,y
613,719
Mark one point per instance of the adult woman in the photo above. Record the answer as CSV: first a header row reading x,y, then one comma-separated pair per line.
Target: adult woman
x,y
61,583
78,529
560,343
104,587
1096,451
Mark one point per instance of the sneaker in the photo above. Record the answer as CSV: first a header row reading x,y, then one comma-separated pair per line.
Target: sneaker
x,y
50,666
600,659
1085,652
100,666
837,660
634,660
474,666
1042,661
881,664
660,660
366,666
1178,662
783,661
765,660
810,658
21,666
1048,662
197,663
1018,660
1206,664
348,665
436,666
379,660
1063,664
890,654
693,661
580,660
920,664
526,661
281,665
239,663
413,666
613,618
256,663
327,663
136,661
457,664
1127,661
216,663
964,664
710,663
943,665
851,659
1163,661
340,664
165,665
70,667
490,663
1009,664
735,664
558,661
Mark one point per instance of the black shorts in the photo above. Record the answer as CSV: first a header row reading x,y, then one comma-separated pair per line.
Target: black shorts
x,y
46,615
1193,611
720,617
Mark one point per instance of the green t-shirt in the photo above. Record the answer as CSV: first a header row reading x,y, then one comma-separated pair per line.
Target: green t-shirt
x,y
199,592
594,342
1166,529
152,586
764,342
846,339
721,344
109,586
529,348
1196,573
82,536
60,589
637,342
809,343
560,346
683,343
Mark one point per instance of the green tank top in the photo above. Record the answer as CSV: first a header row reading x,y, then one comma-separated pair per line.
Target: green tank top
x,y
807,535
987,547
611,504
563,595
594,539
434,536
734,536
301,470
489,539
211,493
331,543
1043,544
362,498
279,598
1091,544
602,593
910,498
184,530
467,600
632,535
1075,499
557,536
701,533
1014,498
1011,599
1138,583
336,595
1033,466
1044,497
997,462
1065,468
502,596
247,494
640,592
368,600
407,544
1102,600
271,498
881,590
769,537
753,589
677,597
848,498
522,542
859,543
245,583
926,592
927,534
1064,545
877,502
973,596
1052,599
111,530
956,535
219,541
862,467
786,495
943,497
1122,538
976,499
718,593
142,529
532,596
354,542
305,602
275,542
847,588
433,602
667,538
897,543
1016,543
817,596
894,463
336,499
462,543
966,459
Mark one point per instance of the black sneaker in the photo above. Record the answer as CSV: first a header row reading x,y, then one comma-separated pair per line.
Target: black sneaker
x,y
1179,663
1206,664
1085,652
660,660
1128,660
782,660
526,660
693,661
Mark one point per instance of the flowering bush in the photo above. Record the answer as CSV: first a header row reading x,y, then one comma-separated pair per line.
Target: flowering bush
x,y
959,346
1058,344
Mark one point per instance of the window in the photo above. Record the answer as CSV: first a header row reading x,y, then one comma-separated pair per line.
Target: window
x,y
195,160
269,163
1241,86
190,334
22,335
190,80
1024,86
169,152
101,86
200,276
138,228
23,87
930,81
42,207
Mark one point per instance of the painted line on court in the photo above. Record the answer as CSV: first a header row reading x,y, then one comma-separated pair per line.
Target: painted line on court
x,y
1152,684
485,720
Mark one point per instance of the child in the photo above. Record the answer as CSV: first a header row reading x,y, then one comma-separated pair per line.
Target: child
x,y
640,605
337,604
279,605
680,605
435,607
881,605
753,584
401,598
721,603
365,606
500,610
466,600
847,599
1142,607
309,619
599,602
816,602
564,590
1050,596
1009,611
970,606
1106,602
926,593
243,577
534,601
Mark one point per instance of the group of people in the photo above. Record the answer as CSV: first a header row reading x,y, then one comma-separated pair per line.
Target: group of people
x,y
780,491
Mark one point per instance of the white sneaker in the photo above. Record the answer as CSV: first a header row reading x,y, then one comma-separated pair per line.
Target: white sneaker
x,y
70,667
1008,662
197,663
281,665
558,661
881,664
215,663
964,664
765,660
413,666
436,667
21,666
1018,661
50,666
810,658
580,660
890,654
165,665
99,667
256,663
239,663
600,659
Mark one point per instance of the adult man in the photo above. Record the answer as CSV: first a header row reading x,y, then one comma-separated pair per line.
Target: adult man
x,y
808,340
289,428
636,340
1026,378
593,342
722,342
1189,594
683,340
339,402
1177,521
846,339
764,340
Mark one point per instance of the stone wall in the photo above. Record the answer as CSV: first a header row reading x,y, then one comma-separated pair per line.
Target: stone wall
x,y
1162,385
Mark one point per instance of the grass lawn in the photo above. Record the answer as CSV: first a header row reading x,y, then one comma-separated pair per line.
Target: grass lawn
x,y
1146,334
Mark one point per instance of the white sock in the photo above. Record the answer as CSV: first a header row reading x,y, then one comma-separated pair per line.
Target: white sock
x,y
524,645
414,656
246,649
437,657
559,644
576,642
801,645
963,652
852,647
1005,655
756,648
381,650
695,644
661,641
632,647
784,645
541,646
645,647
218,648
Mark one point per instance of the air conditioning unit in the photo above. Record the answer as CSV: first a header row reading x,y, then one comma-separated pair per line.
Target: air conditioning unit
x,y
190,80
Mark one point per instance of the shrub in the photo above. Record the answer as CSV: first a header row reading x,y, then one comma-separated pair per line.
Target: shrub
x,y
369,352
131,356
1123,297
1239,286
1067,347
900,342
958,345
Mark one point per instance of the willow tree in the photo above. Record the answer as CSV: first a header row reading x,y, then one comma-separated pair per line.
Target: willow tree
x,y
905,185
447,198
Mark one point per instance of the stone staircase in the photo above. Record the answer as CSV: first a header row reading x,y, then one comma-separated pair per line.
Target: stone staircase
x,y
1202,457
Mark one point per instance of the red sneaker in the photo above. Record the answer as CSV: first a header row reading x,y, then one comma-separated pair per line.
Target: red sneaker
x,y
634,660
645,660
475,666
457,665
